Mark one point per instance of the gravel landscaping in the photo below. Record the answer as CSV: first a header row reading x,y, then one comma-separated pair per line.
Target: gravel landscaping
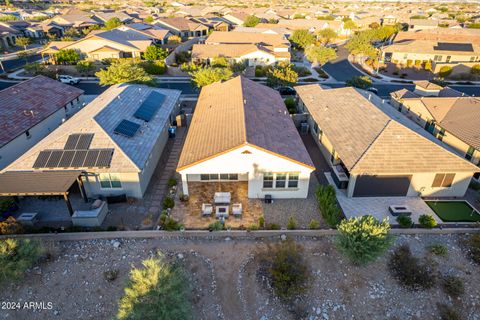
x,y
227,285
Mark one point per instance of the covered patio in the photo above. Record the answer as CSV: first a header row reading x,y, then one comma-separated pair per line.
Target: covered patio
x,y
189,213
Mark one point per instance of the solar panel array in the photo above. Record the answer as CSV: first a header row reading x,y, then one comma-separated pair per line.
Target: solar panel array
x,y
150,106
452,46
98,158
127,128
78,141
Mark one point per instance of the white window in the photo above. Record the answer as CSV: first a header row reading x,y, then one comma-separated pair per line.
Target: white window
x,y
110,181
280,180
219,177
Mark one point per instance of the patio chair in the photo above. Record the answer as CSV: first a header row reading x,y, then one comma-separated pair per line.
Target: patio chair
x,y
237,209
207,209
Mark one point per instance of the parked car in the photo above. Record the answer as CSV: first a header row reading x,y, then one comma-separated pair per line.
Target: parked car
x,y
286,91
372,89
68,79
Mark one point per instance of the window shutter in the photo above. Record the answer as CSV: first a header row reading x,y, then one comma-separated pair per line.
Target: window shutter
x,y
437,181
447,182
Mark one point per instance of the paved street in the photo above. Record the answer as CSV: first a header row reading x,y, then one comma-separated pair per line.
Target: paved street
x,y
10,65
340,68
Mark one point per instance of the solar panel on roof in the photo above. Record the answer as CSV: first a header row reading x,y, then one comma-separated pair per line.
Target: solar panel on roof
x,y
127,128
54,159
42,159
150,106
451,46
66,159
71,142
104,158
79,158
84,141
91,159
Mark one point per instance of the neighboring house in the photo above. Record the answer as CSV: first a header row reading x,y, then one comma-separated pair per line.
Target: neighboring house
x,y
265,28
374,151
8,35
108,145
389,20
122,42
235,18
241,132
422,24
156,33
314,25
26,28
183,27
267,45
77,21
103,17
213,23
449,115
30,110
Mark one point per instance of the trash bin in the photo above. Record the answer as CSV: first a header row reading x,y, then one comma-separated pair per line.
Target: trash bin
x,y
171,132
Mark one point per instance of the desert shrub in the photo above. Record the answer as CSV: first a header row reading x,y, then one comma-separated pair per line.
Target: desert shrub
x,y
285,268
314,224
404,221
34,67
252,227
182,57
215,226
261,222
438,249
154,67
260,71
409,271
189,67
473,247
10,226
168,203
172,182
418,63
158,290
447,312
220,62
427,221
363,239
475,70
85,66
409,63
362,82
171,225
110,274
445,71
302,71
453,286
291,105
427,65
237,67
273,226
292,223
16,256
327,203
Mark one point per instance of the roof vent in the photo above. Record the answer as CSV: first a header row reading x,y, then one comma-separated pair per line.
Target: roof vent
x,y
369,97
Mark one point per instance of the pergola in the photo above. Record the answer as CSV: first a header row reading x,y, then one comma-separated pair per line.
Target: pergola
x,y
40,183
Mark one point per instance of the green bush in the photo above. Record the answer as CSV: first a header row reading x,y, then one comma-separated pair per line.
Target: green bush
x,y
172,182
409,271
273,226
475,69
438,249
361,82
252,227
427,65
292,223
168,203
427,221
404,221
110,274
154,67
10,226
158,290
16,256
291,105
453,286
220,62
216,226
171,225
260,71
69,56
327,203
85,67
302,71
190,67
409,63
363,239
445,71
182,57
314,224
261,222
285,268
447,312
34,68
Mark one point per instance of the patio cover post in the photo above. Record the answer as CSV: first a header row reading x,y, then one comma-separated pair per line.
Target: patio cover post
x,y
67,201
82,189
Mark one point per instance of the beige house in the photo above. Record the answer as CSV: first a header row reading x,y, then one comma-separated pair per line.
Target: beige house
x,y
375,152
183,27
242,133
449,115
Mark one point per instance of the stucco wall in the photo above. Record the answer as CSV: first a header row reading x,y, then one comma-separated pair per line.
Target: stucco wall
x,y
130,186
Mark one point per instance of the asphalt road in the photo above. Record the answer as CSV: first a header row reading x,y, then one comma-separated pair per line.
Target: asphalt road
x,y
340,68
13,64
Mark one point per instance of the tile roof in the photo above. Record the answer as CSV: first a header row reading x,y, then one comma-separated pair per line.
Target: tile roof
x,y
371,136
274,40
28,103
100,117
431,47
238,112
427,85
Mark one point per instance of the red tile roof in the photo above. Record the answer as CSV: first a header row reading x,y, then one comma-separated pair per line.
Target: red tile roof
x,y
28,103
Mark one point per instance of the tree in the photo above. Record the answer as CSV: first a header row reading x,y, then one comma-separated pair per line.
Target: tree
x,y
282,74
23,41
374,25
85,66
71,33
475,69
302,38
251,21
69,56
445,71
206,76
174,39
112,23
220,62
320,55
361,45
123,71
326,35
158,290
362,82
148,19
86,31
154,52
350,25
8,17
363,239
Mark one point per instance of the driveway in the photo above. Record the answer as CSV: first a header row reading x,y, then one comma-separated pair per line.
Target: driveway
x,y
340,68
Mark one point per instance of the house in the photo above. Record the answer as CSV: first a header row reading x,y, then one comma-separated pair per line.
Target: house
x,y
76,20
156,33
122,42
265,28
235,18
449,115
104,16
389,20
32,109
183,27
242,133
275,44
213,23
376,152
422,24
26,28
8,35
315,25
111,146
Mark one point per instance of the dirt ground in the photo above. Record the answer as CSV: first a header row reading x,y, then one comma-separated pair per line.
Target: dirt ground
x,y
227,285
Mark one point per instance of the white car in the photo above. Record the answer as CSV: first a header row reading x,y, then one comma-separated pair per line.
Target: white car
x,y
68,79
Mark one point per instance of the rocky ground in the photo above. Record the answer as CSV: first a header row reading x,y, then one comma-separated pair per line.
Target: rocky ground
x,y
228,286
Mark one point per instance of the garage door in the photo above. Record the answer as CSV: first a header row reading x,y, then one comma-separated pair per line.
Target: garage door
x,y
382,186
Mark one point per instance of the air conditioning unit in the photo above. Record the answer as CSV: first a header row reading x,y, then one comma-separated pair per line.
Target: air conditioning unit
x,y
304,127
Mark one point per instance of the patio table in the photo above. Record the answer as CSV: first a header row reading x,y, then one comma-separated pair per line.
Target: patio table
x,y
222,197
